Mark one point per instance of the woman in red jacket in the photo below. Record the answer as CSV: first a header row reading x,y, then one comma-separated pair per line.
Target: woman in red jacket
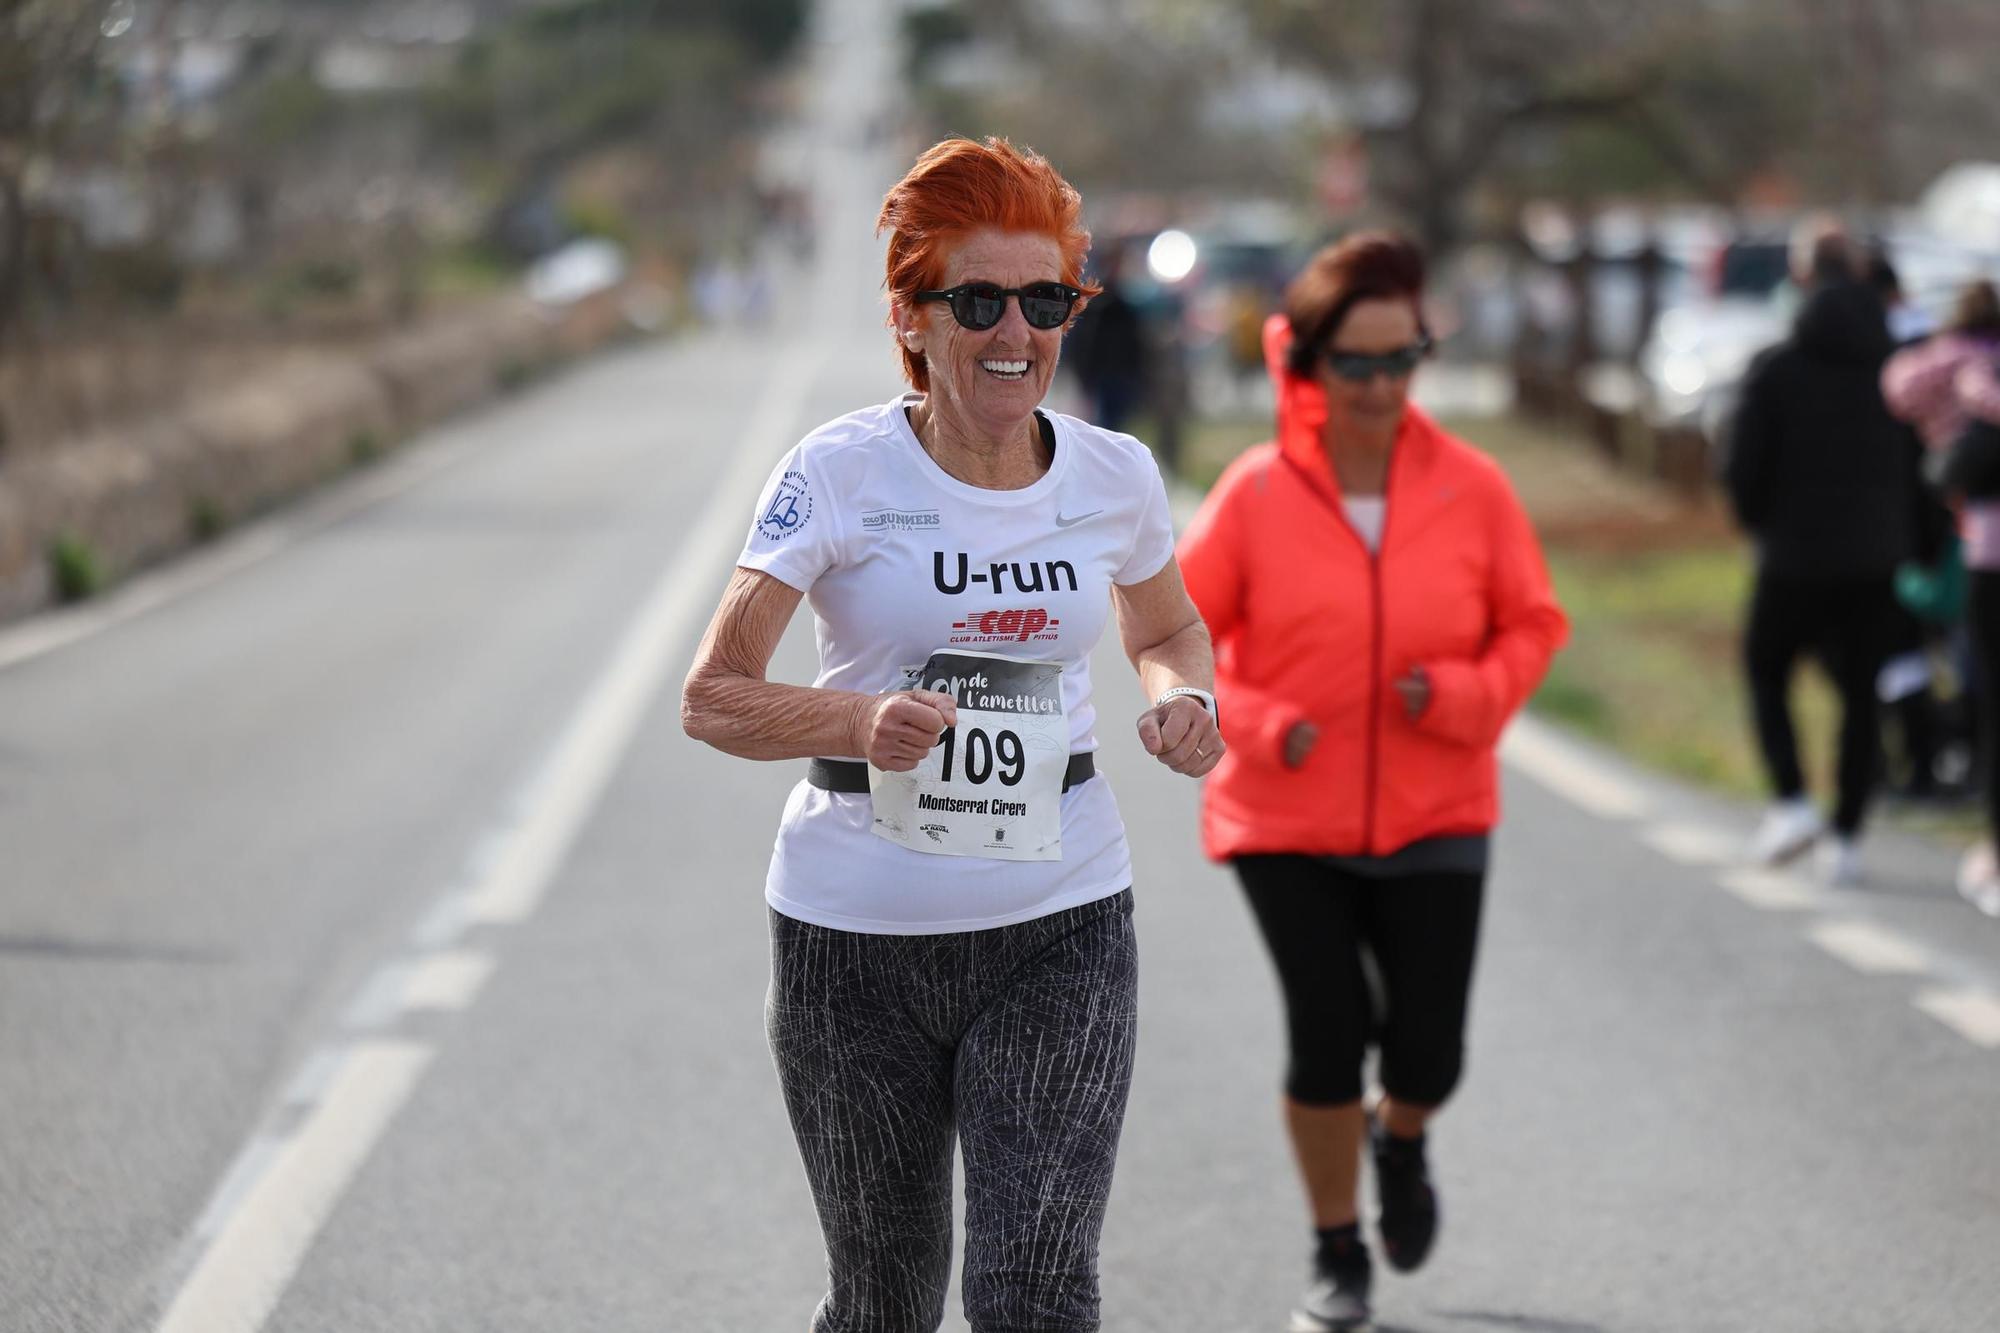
x,y
1380,608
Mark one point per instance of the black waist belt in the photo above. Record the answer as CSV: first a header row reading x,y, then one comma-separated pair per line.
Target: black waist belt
x,y
846,775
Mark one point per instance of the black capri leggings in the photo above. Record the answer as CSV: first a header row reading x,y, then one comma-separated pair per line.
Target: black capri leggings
x,y
1019,1041
1326,929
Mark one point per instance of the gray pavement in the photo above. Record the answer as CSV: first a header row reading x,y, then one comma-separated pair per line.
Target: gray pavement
x,y
245,837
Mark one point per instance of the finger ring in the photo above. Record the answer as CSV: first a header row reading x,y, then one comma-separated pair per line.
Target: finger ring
x,y
1199,753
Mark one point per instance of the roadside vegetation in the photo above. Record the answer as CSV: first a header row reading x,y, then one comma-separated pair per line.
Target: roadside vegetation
x,y
191,188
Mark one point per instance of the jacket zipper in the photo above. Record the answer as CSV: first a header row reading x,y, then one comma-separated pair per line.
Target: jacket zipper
x,y
1375,661
1374,689
1375,637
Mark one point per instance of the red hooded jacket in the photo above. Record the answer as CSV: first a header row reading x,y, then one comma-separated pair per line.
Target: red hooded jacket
x,y
1309,626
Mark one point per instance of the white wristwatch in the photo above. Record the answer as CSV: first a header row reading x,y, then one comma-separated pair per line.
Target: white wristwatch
x,y
1192,692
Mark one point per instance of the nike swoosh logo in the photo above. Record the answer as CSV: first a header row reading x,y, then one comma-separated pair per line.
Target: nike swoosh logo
x,y
1071,522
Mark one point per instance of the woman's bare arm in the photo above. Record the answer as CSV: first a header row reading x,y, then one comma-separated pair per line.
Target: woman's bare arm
x,y
1168,643
727,703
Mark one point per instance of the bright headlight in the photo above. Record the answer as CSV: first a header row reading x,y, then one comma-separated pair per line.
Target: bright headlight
x,y
1171,256
1684,375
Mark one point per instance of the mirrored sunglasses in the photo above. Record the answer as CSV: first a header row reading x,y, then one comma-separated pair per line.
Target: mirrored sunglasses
x,y
1360,367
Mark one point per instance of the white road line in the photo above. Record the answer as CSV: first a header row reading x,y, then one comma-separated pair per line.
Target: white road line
x,y
1867,947
1769,890
1692,844
280,1189
1973,1014
556,803
314,1077
442,925
241,1275
447,981
248,1168
380,998
1569,771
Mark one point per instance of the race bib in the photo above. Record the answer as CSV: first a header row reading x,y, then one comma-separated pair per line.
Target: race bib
x,y
993,786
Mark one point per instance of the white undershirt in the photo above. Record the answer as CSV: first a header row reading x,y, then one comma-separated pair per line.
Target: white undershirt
x,y
1366,513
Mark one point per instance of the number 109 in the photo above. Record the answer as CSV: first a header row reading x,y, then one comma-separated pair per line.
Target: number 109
x,y
980,753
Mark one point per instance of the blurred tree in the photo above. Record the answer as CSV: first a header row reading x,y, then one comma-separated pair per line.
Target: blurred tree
x,y
49,79
530,102
1461,82
1121,95
1447,95
1464,103
483,148
931,33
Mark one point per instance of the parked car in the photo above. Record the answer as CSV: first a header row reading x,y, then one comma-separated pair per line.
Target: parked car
x,y
1699,348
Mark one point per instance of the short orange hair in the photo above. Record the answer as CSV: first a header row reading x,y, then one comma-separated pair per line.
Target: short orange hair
x,y
958,187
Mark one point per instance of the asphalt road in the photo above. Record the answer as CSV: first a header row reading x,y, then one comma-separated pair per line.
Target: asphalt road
x,y
377,954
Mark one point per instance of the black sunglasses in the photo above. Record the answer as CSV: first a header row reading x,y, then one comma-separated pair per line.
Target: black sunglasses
x,y
1360,367
979,305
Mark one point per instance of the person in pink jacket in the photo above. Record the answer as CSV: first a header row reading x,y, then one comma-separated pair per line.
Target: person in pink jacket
x,y
1940,386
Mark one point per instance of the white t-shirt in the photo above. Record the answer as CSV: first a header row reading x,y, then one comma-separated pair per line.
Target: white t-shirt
x,y
1366,513
900,559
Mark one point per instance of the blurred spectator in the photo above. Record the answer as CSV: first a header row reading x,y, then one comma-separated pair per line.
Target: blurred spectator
x,y
1908,323
1107,349
1907,685
1943,387
1940,386
1245,309
1828,484
1823,252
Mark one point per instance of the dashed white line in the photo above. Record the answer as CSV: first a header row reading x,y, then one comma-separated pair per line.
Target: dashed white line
x,y
240,1277
1973,1014
315,1077
1867,947
1569,771
380,998
556,804
442,926
281,1188
250,1166
1534,749
447,981
1692,844
1769,890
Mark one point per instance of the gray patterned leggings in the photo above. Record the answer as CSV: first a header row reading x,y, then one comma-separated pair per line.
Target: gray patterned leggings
x,y
1018,1038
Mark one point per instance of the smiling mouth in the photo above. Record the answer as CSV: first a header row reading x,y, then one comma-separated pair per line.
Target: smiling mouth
x,y
1005,370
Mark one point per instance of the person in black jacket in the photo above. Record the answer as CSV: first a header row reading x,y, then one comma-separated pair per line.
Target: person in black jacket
x,y
1108,351
1829,486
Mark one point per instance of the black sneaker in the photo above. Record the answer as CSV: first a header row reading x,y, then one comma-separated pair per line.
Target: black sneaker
x,y
1409,1217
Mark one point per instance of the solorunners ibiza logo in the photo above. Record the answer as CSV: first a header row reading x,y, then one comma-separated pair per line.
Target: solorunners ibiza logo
x,y
791,508
900,520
